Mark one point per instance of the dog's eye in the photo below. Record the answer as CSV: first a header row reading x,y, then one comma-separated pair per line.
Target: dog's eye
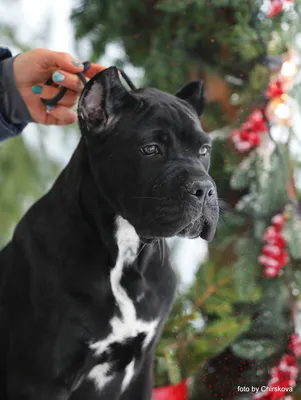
x,y
150,150
204,150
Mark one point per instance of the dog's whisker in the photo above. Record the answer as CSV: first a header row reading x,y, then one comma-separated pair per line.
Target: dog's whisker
x,y
140,251
149,197
157,215
159,245
163,248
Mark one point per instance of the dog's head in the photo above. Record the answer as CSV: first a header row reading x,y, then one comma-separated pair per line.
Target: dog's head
x,y
150,157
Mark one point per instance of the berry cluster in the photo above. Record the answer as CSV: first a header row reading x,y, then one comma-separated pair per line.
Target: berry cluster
x,y
276,6
283,376
275,89
274,255
248,136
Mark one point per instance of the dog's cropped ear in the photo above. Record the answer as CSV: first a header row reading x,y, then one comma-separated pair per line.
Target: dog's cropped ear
x,y
193,93
101,102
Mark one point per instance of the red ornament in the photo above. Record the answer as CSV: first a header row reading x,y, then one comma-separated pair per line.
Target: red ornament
x,y
275,8
177,392
275,89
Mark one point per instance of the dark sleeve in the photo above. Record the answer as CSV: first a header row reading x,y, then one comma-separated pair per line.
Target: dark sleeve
x,y
14,114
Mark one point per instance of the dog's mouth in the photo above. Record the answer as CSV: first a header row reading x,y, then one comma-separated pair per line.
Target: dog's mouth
x,y
207,233
187,219
203,229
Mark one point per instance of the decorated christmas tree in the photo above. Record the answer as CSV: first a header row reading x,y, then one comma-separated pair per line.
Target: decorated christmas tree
x,y
234,332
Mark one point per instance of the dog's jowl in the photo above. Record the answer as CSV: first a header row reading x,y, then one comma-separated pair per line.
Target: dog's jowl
x,y
85,283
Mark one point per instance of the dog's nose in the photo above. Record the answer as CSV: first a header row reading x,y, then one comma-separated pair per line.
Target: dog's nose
x,y
203,190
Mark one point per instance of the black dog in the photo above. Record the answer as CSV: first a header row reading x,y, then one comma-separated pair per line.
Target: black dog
x,y
85,286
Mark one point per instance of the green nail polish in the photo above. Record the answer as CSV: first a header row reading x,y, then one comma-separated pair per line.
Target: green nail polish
x,y
58,77
77,63
36,89
49,108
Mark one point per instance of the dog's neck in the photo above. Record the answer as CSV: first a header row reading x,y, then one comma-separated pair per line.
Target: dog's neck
x,y
86,202
95,228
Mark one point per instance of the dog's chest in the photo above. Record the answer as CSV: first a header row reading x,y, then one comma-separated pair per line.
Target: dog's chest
x,y
130,335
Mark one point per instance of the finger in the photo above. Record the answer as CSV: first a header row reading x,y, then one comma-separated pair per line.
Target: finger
x,y
68,80
49,92
60,115
94,69
65,62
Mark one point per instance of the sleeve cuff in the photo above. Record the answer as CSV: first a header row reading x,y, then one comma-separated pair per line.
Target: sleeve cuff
x,y
8,130
4,53
15,108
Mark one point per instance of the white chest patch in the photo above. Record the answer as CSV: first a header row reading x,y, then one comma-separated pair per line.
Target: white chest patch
x,y
126,326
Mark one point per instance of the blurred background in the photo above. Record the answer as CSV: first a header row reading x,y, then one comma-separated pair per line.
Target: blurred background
x,y
235,322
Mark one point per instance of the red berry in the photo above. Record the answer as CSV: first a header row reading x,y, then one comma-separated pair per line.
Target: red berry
x,y
271,251
283,258
247,126
243,146
270,233
257,121
275,89
275,9
270,272
278,221
268,262
272,236
254,138
244,135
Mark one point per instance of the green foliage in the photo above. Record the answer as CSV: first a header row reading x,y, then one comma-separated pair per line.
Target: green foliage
x,y
246,269
24,176
203,322
231,308
266,179
292,232
245,173
154,35
254,349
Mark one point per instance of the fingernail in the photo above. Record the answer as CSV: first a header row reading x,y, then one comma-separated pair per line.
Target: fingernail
x,y
36,89
58,77
49,108
77,63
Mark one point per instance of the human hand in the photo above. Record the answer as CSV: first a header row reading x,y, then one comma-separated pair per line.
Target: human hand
x,y
34,68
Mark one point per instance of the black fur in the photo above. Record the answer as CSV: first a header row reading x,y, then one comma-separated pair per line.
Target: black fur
x,y
55,293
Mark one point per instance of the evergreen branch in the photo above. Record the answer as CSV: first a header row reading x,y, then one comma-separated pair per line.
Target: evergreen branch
x,y
257,30
200,301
